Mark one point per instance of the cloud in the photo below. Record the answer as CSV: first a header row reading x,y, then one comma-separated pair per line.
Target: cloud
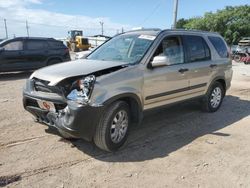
x,y
18,3
50,24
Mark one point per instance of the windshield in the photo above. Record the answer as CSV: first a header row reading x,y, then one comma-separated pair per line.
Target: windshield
x,y
128,48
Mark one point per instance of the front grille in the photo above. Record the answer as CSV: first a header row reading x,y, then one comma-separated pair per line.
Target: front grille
x,y
42,85
31,102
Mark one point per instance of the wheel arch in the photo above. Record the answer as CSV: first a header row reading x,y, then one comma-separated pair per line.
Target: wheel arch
x,y
221,80
134,103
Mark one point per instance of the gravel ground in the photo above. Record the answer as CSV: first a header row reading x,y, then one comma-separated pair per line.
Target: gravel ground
x,y
177,146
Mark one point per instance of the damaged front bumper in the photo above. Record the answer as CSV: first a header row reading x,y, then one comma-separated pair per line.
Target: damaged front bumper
x,y
77,120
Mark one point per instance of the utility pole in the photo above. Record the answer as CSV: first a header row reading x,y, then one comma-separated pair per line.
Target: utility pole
x,y
175,14
27,28
6,30
102,23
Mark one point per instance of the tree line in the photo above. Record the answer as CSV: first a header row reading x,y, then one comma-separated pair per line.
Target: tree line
x,y
232,23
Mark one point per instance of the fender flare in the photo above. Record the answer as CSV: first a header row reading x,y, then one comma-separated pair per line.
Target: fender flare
x,y
137,111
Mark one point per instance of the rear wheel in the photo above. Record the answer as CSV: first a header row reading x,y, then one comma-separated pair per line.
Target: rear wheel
x,y
214,97
237,58
112,130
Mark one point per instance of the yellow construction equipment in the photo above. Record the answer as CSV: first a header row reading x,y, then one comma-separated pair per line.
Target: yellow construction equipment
x,y
76,42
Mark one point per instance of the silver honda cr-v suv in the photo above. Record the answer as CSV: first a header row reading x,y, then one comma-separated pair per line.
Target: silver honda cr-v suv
x,y
100,97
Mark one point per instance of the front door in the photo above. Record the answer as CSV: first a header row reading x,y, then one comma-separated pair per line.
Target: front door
x,y
11,57
166,84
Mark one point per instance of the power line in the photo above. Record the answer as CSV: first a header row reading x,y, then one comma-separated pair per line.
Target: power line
x,y
54,25
152,12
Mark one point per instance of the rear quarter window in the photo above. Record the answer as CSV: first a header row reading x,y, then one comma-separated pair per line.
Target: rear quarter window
x,y
56,44
219,46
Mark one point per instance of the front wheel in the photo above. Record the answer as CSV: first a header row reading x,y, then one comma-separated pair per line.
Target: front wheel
x,y
112,130
214,97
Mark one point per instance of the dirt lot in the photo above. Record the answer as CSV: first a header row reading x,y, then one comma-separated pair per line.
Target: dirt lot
x,y
178,146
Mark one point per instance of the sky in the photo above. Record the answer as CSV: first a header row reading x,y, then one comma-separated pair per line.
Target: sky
x,y
55,18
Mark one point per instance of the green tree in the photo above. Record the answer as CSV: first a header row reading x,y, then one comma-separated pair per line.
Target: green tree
x,y
232,23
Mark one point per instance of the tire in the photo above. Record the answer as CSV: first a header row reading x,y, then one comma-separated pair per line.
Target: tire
x,y
112,129
53,61
214,97
237,58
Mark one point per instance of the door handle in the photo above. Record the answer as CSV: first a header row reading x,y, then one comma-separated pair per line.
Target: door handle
x,y
183,70
213,65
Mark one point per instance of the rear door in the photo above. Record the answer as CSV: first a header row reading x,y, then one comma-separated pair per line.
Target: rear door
x,y
58,50
199,64
36,53
11,57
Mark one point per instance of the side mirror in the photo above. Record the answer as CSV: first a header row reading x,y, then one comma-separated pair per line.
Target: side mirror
x,y
160,61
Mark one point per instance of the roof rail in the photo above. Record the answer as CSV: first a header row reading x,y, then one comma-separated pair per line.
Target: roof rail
x,y
194,30
143,29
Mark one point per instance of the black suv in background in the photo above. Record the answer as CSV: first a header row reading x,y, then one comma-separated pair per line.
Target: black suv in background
x,y
29,53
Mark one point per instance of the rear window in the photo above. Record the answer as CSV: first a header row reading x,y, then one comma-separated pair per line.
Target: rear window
x,y
36,45
56,44
197,48
219,46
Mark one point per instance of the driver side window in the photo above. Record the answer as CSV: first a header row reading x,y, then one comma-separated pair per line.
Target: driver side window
x,y
171,47
14,46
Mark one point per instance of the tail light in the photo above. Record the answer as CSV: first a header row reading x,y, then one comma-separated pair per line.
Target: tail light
x,y
66,50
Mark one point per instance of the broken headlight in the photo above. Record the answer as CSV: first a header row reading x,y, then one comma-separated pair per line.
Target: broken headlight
x,y
81,94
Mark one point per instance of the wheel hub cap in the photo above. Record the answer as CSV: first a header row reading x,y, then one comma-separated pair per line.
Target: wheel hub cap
x,y
119,126
216,97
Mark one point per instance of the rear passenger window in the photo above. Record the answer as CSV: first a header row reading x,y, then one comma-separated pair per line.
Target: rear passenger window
x,y
36,45
219,46
197,49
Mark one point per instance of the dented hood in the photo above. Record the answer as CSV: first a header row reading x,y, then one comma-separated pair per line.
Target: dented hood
x,y
81,67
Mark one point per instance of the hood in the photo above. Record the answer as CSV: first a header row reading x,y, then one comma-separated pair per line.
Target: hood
x,y
56,73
